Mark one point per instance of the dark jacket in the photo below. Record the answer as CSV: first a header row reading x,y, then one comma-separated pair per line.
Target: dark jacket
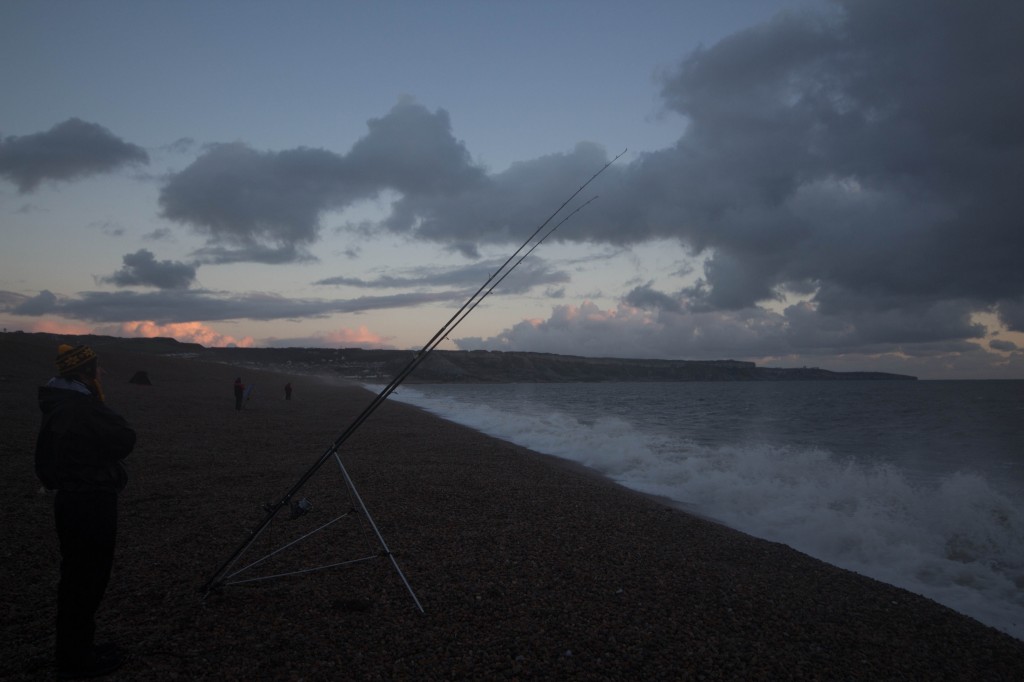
x,y
81,441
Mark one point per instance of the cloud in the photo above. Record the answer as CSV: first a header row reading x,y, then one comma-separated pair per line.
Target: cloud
x,y
508,206
868,159
40,304
243,199
646,298
412,150
1011,312
188,332
142,269
528,274
266,206
192,332
852,155
846,157
11,299
70,150
253,253
361,337
845,182
182,145
177,306
628,331
160,234
1005,346
652,324
108,227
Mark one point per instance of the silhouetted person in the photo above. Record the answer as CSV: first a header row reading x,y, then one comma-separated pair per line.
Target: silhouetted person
x,y
239,392
288,391
79,451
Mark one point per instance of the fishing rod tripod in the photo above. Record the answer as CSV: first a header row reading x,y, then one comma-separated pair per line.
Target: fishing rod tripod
x,y
302,507
226,575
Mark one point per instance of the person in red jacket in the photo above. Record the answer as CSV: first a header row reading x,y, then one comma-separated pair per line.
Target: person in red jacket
x,y
79,451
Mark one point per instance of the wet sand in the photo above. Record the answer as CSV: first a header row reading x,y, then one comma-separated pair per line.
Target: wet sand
x,y
527,567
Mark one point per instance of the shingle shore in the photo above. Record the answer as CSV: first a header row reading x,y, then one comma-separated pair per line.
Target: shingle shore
x,y
527,567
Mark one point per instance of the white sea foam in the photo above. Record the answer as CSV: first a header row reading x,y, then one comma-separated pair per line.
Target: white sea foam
x,y
951,537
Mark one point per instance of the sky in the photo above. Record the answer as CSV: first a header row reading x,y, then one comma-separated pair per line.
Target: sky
x,y
819,183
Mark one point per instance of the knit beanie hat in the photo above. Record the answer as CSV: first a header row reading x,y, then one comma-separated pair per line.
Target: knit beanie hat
x,y
70,358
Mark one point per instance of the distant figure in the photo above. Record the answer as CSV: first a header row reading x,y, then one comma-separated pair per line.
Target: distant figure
x,y
79,450
288,391
239,392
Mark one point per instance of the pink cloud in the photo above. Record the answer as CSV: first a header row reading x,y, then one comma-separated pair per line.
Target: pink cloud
x,y
55,327
361,336
190,332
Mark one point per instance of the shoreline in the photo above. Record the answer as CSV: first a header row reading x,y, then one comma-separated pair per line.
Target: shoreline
x,y
555,460
528,566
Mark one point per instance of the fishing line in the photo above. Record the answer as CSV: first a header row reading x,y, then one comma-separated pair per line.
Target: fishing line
x,y
220,575
521,259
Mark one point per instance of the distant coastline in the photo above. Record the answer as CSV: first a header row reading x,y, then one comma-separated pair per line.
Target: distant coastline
x,y
444,366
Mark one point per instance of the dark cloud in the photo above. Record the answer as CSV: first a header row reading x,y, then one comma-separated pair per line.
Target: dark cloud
x,y
508,207
555,292
41,304
892,330
170,306
182,145
266,206
160,234
176,303
528,274
869,159
632,332
1006,346
871,154
248,201
663,327
70,150
253,253
1011,312
647,298
142,269
108,227
11,299
413,151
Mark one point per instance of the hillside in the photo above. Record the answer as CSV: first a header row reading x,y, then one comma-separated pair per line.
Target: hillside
x,y
444,366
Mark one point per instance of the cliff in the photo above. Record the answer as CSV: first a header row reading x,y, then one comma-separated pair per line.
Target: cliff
x,y
495,366
498,367
457,366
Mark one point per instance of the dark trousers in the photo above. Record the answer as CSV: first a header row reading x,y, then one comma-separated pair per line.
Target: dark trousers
x,y
87,529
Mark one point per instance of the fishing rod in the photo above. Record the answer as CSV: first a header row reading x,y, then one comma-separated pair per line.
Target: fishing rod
x,y
521,259
217,579
466,309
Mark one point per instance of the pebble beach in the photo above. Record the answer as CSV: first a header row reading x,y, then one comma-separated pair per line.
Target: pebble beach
x,y
527,567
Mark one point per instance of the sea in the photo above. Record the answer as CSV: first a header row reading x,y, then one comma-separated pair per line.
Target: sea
x,y
919,484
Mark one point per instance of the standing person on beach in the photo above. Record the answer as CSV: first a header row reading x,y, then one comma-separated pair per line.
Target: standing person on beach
x,y
79,450
288,391
239,392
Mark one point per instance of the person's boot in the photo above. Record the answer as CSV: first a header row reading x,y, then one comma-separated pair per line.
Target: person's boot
x,y
101,660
